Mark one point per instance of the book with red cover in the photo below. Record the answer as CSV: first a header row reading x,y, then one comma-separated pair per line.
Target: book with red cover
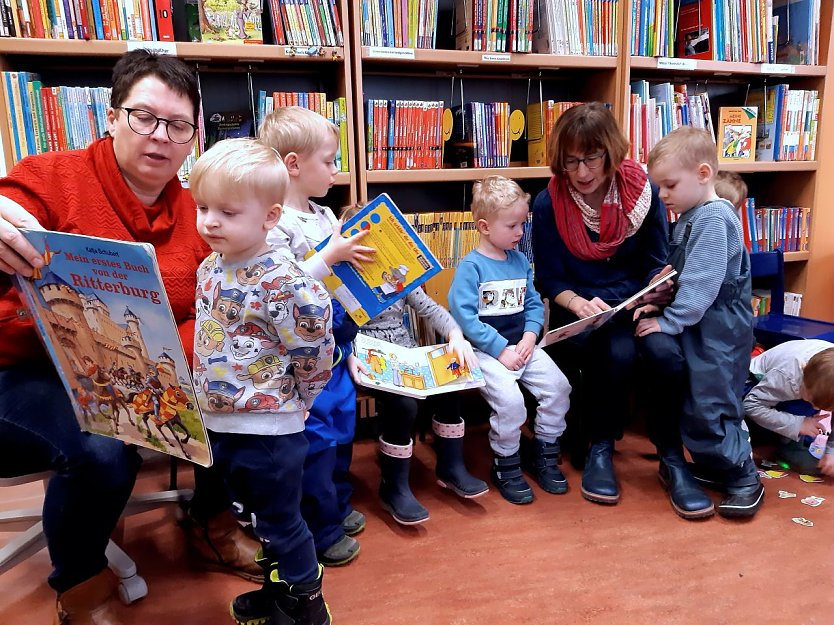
x,y
695,37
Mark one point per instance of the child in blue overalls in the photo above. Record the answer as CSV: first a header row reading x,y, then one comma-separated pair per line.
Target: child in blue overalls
x,y
711,314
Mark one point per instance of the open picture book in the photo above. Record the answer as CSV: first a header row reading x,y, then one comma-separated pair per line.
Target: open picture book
x,y
594,321
100,308
402,262
413,371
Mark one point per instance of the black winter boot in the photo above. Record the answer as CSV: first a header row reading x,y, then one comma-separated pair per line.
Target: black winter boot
x,y
687,497
451,471
394,491
745,492
599,484
507,476
548,474
280,603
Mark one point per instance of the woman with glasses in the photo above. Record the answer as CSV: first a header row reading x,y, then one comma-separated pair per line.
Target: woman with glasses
x,y
124,186
600,234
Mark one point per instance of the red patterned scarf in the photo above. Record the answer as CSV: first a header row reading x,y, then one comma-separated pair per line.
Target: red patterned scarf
x,y
613,219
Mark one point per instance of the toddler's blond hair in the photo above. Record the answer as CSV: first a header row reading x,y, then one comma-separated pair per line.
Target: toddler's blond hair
x,y
233,167
731,186
493,194
296,129
688,146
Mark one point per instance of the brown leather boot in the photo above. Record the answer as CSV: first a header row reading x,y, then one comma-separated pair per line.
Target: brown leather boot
x,y
92,602
221,544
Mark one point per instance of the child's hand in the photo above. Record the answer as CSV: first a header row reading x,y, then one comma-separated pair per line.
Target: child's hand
x,y
341,248
811,425
645,310
511,359
582,308
461,348
662,295
526,346
355,367
826,465
647,326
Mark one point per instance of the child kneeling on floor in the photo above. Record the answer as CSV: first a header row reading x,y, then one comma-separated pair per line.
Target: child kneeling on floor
x,y
253,398
496,305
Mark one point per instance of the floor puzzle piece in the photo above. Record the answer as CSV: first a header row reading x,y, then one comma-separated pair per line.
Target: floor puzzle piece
x,y
802,521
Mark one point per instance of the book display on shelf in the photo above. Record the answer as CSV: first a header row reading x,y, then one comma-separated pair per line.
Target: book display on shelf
x,y
401,264
101,310
231,21
797,29
417,372
569,27
737,134
695,31
404,134
400,24
785,228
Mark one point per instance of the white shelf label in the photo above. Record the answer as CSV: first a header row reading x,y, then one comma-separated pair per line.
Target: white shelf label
x,y
495,58
778,68
665,62
163,47
376,52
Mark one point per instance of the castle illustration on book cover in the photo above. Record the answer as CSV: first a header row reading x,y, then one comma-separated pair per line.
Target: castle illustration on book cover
x,y
101,310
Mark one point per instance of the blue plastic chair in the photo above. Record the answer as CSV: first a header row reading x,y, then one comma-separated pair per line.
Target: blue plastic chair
x,y
768,271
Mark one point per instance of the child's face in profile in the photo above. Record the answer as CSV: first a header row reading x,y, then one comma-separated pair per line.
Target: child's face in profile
x,y
681,188
318,169
505,228
235,226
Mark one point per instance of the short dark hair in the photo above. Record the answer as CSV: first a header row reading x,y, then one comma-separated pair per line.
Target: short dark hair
x,y
586,128
135,65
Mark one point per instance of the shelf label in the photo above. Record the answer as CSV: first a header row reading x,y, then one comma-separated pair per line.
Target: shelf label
x,y
377,52
778,68
664,62
162,47
495,58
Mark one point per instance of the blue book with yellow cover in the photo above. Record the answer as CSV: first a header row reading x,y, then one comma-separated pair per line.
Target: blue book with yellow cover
x,y
402,262
101,310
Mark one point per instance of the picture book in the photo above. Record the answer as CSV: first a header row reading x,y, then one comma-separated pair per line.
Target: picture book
x,y
737,134
694,39
231,21
402,262
594,321
228,125
100,308
416,371
797,32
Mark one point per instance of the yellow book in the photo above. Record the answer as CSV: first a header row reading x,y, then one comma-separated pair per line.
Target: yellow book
x,y
737,134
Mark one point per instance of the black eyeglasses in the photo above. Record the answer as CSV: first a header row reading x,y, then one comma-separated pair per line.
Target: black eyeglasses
x,y
592,161
144,122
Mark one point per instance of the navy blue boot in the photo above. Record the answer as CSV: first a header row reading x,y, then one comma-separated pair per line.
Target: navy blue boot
x,y
394,492
687,497
451,471
507,476
745,492
280,603
548,474
599,484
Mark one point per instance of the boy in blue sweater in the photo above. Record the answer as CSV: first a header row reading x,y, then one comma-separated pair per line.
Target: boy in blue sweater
x,y
710,314
496,305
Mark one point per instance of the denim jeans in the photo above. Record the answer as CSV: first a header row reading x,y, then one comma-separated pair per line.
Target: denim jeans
x,y
93,475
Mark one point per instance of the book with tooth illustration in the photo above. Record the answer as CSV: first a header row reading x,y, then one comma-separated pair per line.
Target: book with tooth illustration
x,y
101,310
594,321
413,371
401,264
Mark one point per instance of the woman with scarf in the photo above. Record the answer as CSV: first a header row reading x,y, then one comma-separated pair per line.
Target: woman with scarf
x,y
600,234
124,187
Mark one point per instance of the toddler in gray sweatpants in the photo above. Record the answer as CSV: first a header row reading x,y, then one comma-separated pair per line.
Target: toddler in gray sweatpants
x,y
493,300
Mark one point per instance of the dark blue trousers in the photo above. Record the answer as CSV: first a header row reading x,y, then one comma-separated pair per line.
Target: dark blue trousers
x,y
93,474
263,474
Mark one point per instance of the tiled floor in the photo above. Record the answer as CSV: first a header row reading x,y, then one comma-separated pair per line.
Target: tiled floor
x,y
485,562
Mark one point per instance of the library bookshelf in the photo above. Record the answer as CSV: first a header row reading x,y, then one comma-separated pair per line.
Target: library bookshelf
x,y
361,72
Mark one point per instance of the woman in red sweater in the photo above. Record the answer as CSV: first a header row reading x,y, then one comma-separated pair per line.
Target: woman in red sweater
x,y
123,187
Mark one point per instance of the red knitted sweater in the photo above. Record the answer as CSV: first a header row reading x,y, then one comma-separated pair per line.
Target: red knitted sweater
x,y
83,191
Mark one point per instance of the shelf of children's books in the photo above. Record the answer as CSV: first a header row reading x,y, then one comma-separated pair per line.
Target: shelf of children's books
x,y
453,175
769,166
185,50
796,256
467,58
668,65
